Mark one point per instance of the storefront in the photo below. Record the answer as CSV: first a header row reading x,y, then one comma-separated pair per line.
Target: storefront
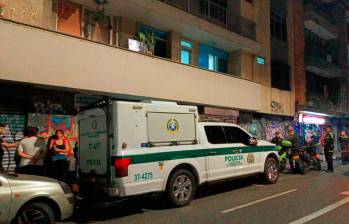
x,y
27,105
315,124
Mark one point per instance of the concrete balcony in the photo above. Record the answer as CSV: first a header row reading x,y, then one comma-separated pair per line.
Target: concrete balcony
x,y
41,57
321,66
319,22
211,11
217,32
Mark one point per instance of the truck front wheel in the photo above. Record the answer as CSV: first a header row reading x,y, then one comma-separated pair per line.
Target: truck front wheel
x,y
181,188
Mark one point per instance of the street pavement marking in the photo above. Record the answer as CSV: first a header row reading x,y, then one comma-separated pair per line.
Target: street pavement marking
x,y
257,201
322,211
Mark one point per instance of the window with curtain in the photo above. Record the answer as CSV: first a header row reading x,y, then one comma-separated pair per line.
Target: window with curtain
x,y
213,59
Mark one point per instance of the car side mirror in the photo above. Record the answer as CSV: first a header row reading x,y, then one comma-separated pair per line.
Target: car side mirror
x,y
253,141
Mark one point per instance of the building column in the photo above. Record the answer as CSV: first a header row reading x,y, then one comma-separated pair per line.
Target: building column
x,y
175,45
297,43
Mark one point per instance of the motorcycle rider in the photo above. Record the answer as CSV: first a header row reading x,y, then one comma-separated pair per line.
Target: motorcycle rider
x,y
277,140
328,144
292,137
313,152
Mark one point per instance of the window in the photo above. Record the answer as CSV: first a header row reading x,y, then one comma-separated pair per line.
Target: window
x,y
325,50
160,49
186,47
236,135
97,31
278,26
213,59
214,9
280,75
215,135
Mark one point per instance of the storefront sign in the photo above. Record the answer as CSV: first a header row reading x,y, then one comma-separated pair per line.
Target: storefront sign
x,y
311,119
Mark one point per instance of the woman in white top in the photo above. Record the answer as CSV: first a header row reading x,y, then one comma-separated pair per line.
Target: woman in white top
x,y
32,150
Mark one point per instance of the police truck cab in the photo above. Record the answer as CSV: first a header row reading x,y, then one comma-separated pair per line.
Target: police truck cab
x,y
136,148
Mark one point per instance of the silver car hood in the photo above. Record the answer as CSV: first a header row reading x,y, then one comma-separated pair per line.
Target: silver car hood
x,y
29,180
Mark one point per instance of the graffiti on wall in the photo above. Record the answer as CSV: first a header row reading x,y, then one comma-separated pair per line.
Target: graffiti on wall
x,y
276,107
13,132
265,129
48,108
271,129
48,124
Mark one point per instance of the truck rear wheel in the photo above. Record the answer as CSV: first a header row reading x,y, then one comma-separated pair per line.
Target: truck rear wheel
x,y
271,171
181,188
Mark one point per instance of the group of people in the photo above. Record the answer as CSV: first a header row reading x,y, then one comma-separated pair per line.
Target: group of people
x,y
327,143
36,157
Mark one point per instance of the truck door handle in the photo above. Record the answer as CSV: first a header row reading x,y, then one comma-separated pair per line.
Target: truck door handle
x,y
213,152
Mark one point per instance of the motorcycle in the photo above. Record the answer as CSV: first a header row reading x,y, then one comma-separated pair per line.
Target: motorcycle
x,y
315,163
283,151
301,159
306,157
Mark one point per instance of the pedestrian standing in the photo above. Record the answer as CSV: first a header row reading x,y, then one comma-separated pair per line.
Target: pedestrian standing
x,y
32,150
60,149
344,142
328,144
4,144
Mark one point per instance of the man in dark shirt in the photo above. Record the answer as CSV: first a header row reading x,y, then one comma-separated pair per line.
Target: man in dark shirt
x,y
344,142
328,144
4,144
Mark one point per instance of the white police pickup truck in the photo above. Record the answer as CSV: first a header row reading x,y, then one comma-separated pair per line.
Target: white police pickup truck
x,y
138,148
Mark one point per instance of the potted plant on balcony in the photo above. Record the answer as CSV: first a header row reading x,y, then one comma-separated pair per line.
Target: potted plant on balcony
x,y
150,41
100,10
2,10
141,37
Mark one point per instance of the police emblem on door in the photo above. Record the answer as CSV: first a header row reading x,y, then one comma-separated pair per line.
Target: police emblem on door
x,y
250,158
172,125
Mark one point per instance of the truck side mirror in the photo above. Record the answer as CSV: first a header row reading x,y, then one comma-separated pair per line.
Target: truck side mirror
x,y
253,141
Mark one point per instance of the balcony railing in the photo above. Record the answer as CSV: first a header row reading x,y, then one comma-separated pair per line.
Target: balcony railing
x,y
218,14
326,53
81,57
314,8
322,61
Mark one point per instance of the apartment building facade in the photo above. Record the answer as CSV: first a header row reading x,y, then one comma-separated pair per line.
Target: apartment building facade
x,y
60,54
320,52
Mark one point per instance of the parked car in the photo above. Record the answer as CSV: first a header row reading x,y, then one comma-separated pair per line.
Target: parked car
x,y
129,148
34,199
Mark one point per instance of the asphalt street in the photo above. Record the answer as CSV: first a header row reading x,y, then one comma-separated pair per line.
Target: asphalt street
x,y
317,197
